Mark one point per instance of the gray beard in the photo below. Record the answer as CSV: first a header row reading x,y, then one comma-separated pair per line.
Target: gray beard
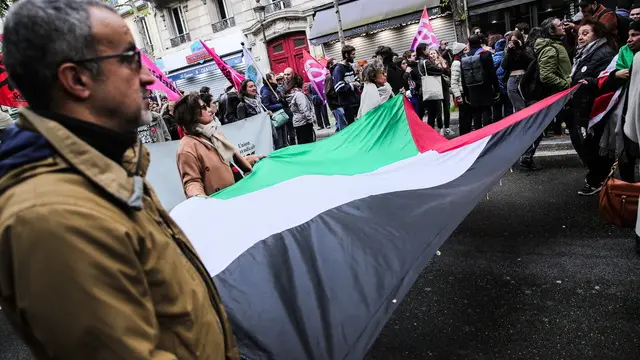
x,y
145,117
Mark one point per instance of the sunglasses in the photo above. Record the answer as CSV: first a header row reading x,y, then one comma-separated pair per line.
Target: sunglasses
x,y
203,107
130,58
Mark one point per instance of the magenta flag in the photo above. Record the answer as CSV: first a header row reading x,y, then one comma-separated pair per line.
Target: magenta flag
x,y
162,83
425,33
230,73
316,73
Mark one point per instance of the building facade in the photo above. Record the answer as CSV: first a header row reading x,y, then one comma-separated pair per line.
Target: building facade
x,y
276,32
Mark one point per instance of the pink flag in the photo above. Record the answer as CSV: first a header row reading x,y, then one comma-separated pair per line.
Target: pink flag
x,y
162,83
316,73
230,73
425,33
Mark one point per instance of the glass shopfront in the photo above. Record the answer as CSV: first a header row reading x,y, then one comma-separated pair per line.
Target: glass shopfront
x,y
501,17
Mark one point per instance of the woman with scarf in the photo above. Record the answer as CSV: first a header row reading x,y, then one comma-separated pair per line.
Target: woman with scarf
x,y
595,51
207,161
376,88
250,103
302,109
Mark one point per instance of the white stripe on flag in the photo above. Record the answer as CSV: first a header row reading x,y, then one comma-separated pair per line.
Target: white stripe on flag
x,y
212,225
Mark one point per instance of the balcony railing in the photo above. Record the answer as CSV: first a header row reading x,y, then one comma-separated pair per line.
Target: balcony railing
x,y
180,39
223,24
277,6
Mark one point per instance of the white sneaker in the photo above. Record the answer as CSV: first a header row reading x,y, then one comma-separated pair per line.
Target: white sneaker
x,y
442,132
448,132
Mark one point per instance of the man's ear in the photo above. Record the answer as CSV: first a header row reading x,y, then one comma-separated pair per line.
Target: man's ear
x,y
75,80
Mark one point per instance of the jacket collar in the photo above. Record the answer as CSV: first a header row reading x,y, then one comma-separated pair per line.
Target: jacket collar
x,y
122,181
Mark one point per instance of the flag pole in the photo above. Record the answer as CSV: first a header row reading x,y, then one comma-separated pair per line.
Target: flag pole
x,y
260,71
336,5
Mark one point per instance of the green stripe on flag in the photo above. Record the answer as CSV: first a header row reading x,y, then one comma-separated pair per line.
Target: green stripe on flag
x,y
380,138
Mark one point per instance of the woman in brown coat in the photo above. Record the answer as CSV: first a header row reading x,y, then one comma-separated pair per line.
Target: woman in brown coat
x,y
207,161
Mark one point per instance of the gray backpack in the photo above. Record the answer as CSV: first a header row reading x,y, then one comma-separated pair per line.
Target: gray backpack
x,y
472,70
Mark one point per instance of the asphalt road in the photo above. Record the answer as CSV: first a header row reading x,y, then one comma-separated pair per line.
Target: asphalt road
x,y
532,273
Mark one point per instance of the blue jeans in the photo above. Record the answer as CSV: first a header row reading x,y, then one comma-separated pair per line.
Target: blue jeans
x,y
341,121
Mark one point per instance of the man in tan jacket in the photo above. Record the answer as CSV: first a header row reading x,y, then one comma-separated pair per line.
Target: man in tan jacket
x,y
91,266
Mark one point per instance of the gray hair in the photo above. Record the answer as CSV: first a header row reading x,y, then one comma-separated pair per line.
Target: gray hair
x,y
39,36
372,70
548,28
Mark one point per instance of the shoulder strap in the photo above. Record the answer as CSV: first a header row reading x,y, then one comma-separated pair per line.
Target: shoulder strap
x,y
422,62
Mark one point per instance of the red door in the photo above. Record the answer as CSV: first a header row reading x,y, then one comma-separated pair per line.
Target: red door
x,y
286,51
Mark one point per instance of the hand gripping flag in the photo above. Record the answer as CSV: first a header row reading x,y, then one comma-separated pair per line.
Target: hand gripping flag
x,y
307,274
230,73
425,33
316,73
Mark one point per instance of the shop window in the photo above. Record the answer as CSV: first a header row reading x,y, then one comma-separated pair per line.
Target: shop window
x,y
553,8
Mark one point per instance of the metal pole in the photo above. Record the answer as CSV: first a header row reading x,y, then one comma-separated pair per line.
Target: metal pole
x,y
340,32
264,34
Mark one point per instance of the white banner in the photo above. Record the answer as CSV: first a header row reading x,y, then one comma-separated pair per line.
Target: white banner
x,y
250,136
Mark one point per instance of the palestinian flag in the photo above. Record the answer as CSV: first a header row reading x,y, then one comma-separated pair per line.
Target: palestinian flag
x,y
604,103
314,250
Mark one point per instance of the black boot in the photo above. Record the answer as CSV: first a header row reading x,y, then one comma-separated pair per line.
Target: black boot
x,y
529,164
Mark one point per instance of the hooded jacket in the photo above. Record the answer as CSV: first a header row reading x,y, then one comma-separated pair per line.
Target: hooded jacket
x,y
300,105
91,265
498,56
554,64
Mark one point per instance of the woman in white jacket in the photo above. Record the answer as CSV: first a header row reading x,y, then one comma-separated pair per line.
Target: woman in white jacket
x,y
302,109
458,50
376,88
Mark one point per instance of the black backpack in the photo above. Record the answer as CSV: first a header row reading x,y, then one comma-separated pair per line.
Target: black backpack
x,y
531,88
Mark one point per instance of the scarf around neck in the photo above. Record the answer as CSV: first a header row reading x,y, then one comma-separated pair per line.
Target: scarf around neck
x,y
217,139
583,52
254,102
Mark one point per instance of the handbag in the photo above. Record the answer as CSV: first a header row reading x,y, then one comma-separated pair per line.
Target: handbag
x,y
619,201
431,85
279,118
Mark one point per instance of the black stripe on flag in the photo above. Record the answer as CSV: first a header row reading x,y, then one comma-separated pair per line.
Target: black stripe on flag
x,y
325,289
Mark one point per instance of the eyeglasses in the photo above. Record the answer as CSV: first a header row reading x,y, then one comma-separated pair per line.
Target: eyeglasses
x,y
131,58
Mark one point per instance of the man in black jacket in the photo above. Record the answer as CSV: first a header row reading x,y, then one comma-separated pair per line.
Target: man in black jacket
x,y
346,84
480,85
332,97
394,73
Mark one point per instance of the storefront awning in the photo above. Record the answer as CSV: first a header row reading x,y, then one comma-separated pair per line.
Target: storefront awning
x,y
362,16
